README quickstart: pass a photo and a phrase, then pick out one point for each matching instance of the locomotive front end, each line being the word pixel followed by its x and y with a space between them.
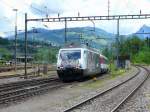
pixel 69 66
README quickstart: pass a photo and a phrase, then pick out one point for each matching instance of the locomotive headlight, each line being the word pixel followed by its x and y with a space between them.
pixel 61 67
pixel 78 66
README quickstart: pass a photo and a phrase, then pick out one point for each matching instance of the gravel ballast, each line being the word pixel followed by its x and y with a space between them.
pixel 140 101
pixel 108 101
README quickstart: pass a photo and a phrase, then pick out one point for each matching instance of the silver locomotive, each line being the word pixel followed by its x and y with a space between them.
pixel 76 62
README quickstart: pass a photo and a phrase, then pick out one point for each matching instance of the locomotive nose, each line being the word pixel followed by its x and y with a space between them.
pixel 68 66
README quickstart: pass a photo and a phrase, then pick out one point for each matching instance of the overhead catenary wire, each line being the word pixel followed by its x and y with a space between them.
pixel 6 4
pixel 11 7
pixel 41 11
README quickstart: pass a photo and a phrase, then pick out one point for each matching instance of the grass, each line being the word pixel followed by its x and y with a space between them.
pixel 116 72
pixel 93 84
pixel 99 83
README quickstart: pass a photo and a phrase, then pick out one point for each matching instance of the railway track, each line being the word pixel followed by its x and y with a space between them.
pixel 30 74
pixel 18 90
pixel 20 84
pixel 132 92
pixel 8 68
pixel 16 75
pixel 110 90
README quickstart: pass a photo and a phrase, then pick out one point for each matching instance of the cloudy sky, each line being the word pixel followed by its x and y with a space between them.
pixel 39 9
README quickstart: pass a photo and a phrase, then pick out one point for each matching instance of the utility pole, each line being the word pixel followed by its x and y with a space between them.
pixel 108 7
pixel 80 35
pixel 148 41
pixel 15 39
pixel 46 11
pixel 33 44
pixel 65 31
pixel 93 25
pixel 117 42
pixel 33 31
pixel 25 45
pixel 58 15
pixel 78 14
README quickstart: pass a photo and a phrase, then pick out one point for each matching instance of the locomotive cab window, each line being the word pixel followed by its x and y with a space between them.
pixel 70 54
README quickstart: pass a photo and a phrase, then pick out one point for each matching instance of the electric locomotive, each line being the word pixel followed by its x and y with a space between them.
pixel 77 61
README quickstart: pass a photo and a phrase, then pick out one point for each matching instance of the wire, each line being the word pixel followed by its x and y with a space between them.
pixel 31 6
pixel 5 19
pixel 128 6
pixel 13 31
pixel 37 9
pixel 10 6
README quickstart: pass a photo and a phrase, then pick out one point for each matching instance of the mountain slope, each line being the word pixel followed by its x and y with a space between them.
pixel 73 34
pixel 143 29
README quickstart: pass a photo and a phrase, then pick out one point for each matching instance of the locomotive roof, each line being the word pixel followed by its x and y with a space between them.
pixel 73 45
pixel 103 56
pixel 76 45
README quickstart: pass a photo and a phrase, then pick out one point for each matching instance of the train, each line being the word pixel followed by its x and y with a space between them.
pixel 77 61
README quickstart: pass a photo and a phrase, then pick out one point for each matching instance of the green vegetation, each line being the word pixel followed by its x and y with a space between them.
pixel 46 55
pixel 116 72
pixel 136 48
pixel 101 82
pixel 5 54
pixel 4 41
pixel 42 52
pixel 143 56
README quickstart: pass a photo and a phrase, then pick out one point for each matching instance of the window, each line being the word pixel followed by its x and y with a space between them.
pixel 70 54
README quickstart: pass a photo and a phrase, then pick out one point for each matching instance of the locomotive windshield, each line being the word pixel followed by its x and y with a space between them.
pixel 70 54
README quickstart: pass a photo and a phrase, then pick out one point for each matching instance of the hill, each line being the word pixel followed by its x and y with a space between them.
pixel 143 29
pixel 73 34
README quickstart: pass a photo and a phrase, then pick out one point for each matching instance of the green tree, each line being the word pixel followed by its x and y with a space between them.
pixel 143 56
pixel 46 55
pixel 6 55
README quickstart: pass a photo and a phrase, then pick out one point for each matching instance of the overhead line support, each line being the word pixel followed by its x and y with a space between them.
pixel 83 18
pixel 87 18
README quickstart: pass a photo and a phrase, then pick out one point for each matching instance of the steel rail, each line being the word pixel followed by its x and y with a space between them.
pixel 10 92
pixel 28 93
pixel 7 68
pixel 131 93
pixel 30 74
pixel 21 84
pixel 5 95
pixel 102 93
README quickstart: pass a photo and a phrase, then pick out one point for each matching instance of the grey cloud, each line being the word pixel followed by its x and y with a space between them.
pixel 47 7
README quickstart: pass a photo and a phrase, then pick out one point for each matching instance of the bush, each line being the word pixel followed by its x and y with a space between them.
pixel 143 56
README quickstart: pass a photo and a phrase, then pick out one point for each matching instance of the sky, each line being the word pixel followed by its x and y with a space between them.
pixel 41 8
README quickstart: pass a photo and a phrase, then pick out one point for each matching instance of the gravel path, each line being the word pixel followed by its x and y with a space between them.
pixel 58 100
pixel 140 102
